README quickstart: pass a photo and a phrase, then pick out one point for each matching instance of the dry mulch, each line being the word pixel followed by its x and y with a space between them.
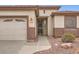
pixel 58 49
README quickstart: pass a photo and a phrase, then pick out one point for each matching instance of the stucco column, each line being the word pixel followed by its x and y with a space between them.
pixel 31 34
pixel 50 26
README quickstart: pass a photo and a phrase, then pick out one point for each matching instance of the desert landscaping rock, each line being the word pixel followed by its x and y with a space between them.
pixel 66 45
pixel 73 48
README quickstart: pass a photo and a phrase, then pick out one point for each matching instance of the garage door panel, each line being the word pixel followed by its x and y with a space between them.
pixel 13 30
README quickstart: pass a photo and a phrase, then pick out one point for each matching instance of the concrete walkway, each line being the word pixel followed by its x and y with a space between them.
pixel 23 47
pixel 32 47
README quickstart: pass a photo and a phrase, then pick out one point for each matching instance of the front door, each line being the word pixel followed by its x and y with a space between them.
pixel 42 26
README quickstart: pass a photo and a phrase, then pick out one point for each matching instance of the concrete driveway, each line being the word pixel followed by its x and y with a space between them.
pixel 23 47
pixel 11 46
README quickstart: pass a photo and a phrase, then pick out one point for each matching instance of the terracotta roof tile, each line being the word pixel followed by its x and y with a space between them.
pixel 65 13
pixel 29 6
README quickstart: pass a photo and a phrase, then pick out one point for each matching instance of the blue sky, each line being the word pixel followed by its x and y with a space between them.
pixel 39 2
pixel 69 7
pixel 65 4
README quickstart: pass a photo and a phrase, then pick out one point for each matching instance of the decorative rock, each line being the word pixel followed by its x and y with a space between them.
pixel 56 44
pixel 66 45
pixel 76 50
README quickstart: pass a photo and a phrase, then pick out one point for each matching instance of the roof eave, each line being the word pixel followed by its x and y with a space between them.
pixel 65 13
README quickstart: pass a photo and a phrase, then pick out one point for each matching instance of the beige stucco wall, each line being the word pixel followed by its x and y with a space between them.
pixel 50 26
pixel 31 14
pixel 47 12
pixel 77 21
pixel 59 21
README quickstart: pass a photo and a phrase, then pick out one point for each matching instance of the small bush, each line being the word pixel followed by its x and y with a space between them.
pixel 68 37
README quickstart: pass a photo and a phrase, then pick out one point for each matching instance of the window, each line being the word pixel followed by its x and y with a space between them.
pixel 8 20
pixel 20 20
pixel 70 21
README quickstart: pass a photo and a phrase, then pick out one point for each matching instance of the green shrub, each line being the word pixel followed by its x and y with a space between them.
pixel 68 37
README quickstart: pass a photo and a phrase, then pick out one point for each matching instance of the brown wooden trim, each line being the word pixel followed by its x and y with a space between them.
pixel 27 27
pixel 13 16
pixel 42 17
pixel 53 26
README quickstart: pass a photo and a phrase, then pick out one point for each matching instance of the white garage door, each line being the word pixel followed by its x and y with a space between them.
pixel 13 28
